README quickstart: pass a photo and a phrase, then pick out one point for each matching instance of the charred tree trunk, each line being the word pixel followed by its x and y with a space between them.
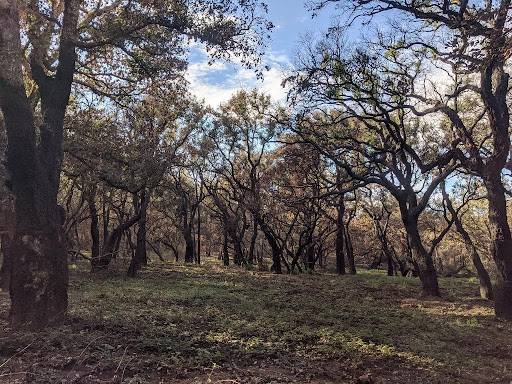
pixel 198 258
pixel 391 266
pixel 225 250
pixel 350 251
pixel 486 291
pixel 252 247
pixel 310 258
pixel 422 259
pixel 140 258
pixel 94 227
pixel 6 265
pixel 38 274
pixel 501 245
pixel 274 246
pixel 239 254
pixel 189 244
pixel 111 244
pixel 340 237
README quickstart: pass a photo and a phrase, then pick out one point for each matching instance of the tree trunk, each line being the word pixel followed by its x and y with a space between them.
pixel 391 267
pixel 423 261
pixel 239 254
pixel 350 251
pixel 111 244
pixel 252 246
pixel 274 246
pixel 189 244
pixel 486 291
pixel 6 266
pixel 39 274
pixel 501 245
pixel 340 237
pixel 310 257
pixel 140 258
pixel 198 259
pixel 225 250
pixel 94 229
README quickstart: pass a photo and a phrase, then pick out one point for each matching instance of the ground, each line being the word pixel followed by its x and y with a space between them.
pixel 191 324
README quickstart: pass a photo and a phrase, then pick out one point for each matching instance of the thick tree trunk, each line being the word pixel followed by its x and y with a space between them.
pixel 310 257
pixel 274 246
pixel 38 274
pixel 140 258
pixel 6 265
pixel 391 266
pixel 501 245
pixel 189 244
pixel 422 260
pixel 239 254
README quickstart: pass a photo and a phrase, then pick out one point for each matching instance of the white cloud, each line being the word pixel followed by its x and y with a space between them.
pixel 215 83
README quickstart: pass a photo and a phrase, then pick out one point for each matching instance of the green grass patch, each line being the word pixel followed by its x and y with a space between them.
pixel 197 324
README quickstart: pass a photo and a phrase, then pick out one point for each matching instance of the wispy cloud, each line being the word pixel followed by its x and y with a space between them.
pixel 215 83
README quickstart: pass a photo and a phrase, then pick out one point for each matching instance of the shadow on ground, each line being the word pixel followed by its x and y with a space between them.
pixel 180 324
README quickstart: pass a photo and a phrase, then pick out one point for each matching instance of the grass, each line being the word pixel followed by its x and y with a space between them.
pixel 191 324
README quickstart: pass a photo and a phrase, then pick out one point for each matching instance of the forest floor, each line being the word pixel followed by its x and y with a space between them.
pixel 191 324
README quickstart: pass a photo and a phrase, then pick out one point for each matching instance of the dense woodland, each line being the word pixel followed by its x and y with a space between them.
pixel 390 153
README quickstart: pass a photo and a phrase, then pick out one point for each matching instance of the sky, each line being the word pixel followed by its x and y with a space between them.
pixel 216 83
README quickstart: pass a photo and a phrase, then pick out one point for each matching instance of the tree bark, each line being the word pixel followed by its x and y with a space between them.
pixel 140 258
pixel 6 265
pixel 422 260
pixel 189 244
pixel 350 250
pixel 391 266
pixel 501 245
pixel 340 237
pixel 225 251
pixel 252 246
pixel 274 246
pixel 486 291
pixel 111 244
pixel 39 274
pixel 94 228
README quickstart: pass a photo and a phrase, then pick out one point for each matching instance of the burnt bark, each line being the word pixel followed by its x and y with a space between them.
pixel 422 259
pixel 501 245
pixel 350 250
pixel 112 243
pixel 252 246
pixel 189 244
pixel 38 275
pixel 94 227
pixel 486 291
pixel 274 245
pixel 225 250
pixel 340 237
pixel 6 264
pixel 140 258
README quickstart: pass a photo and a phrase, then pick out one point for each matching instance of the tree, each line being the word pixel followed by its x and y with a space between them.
pixel 239 137
pixel 147 39
pixel 470 44
pixel 355 112
pixel 483 275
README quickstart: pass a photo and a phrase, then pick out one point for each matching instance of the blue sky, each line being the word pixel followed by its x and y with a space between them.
pixel 216 83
